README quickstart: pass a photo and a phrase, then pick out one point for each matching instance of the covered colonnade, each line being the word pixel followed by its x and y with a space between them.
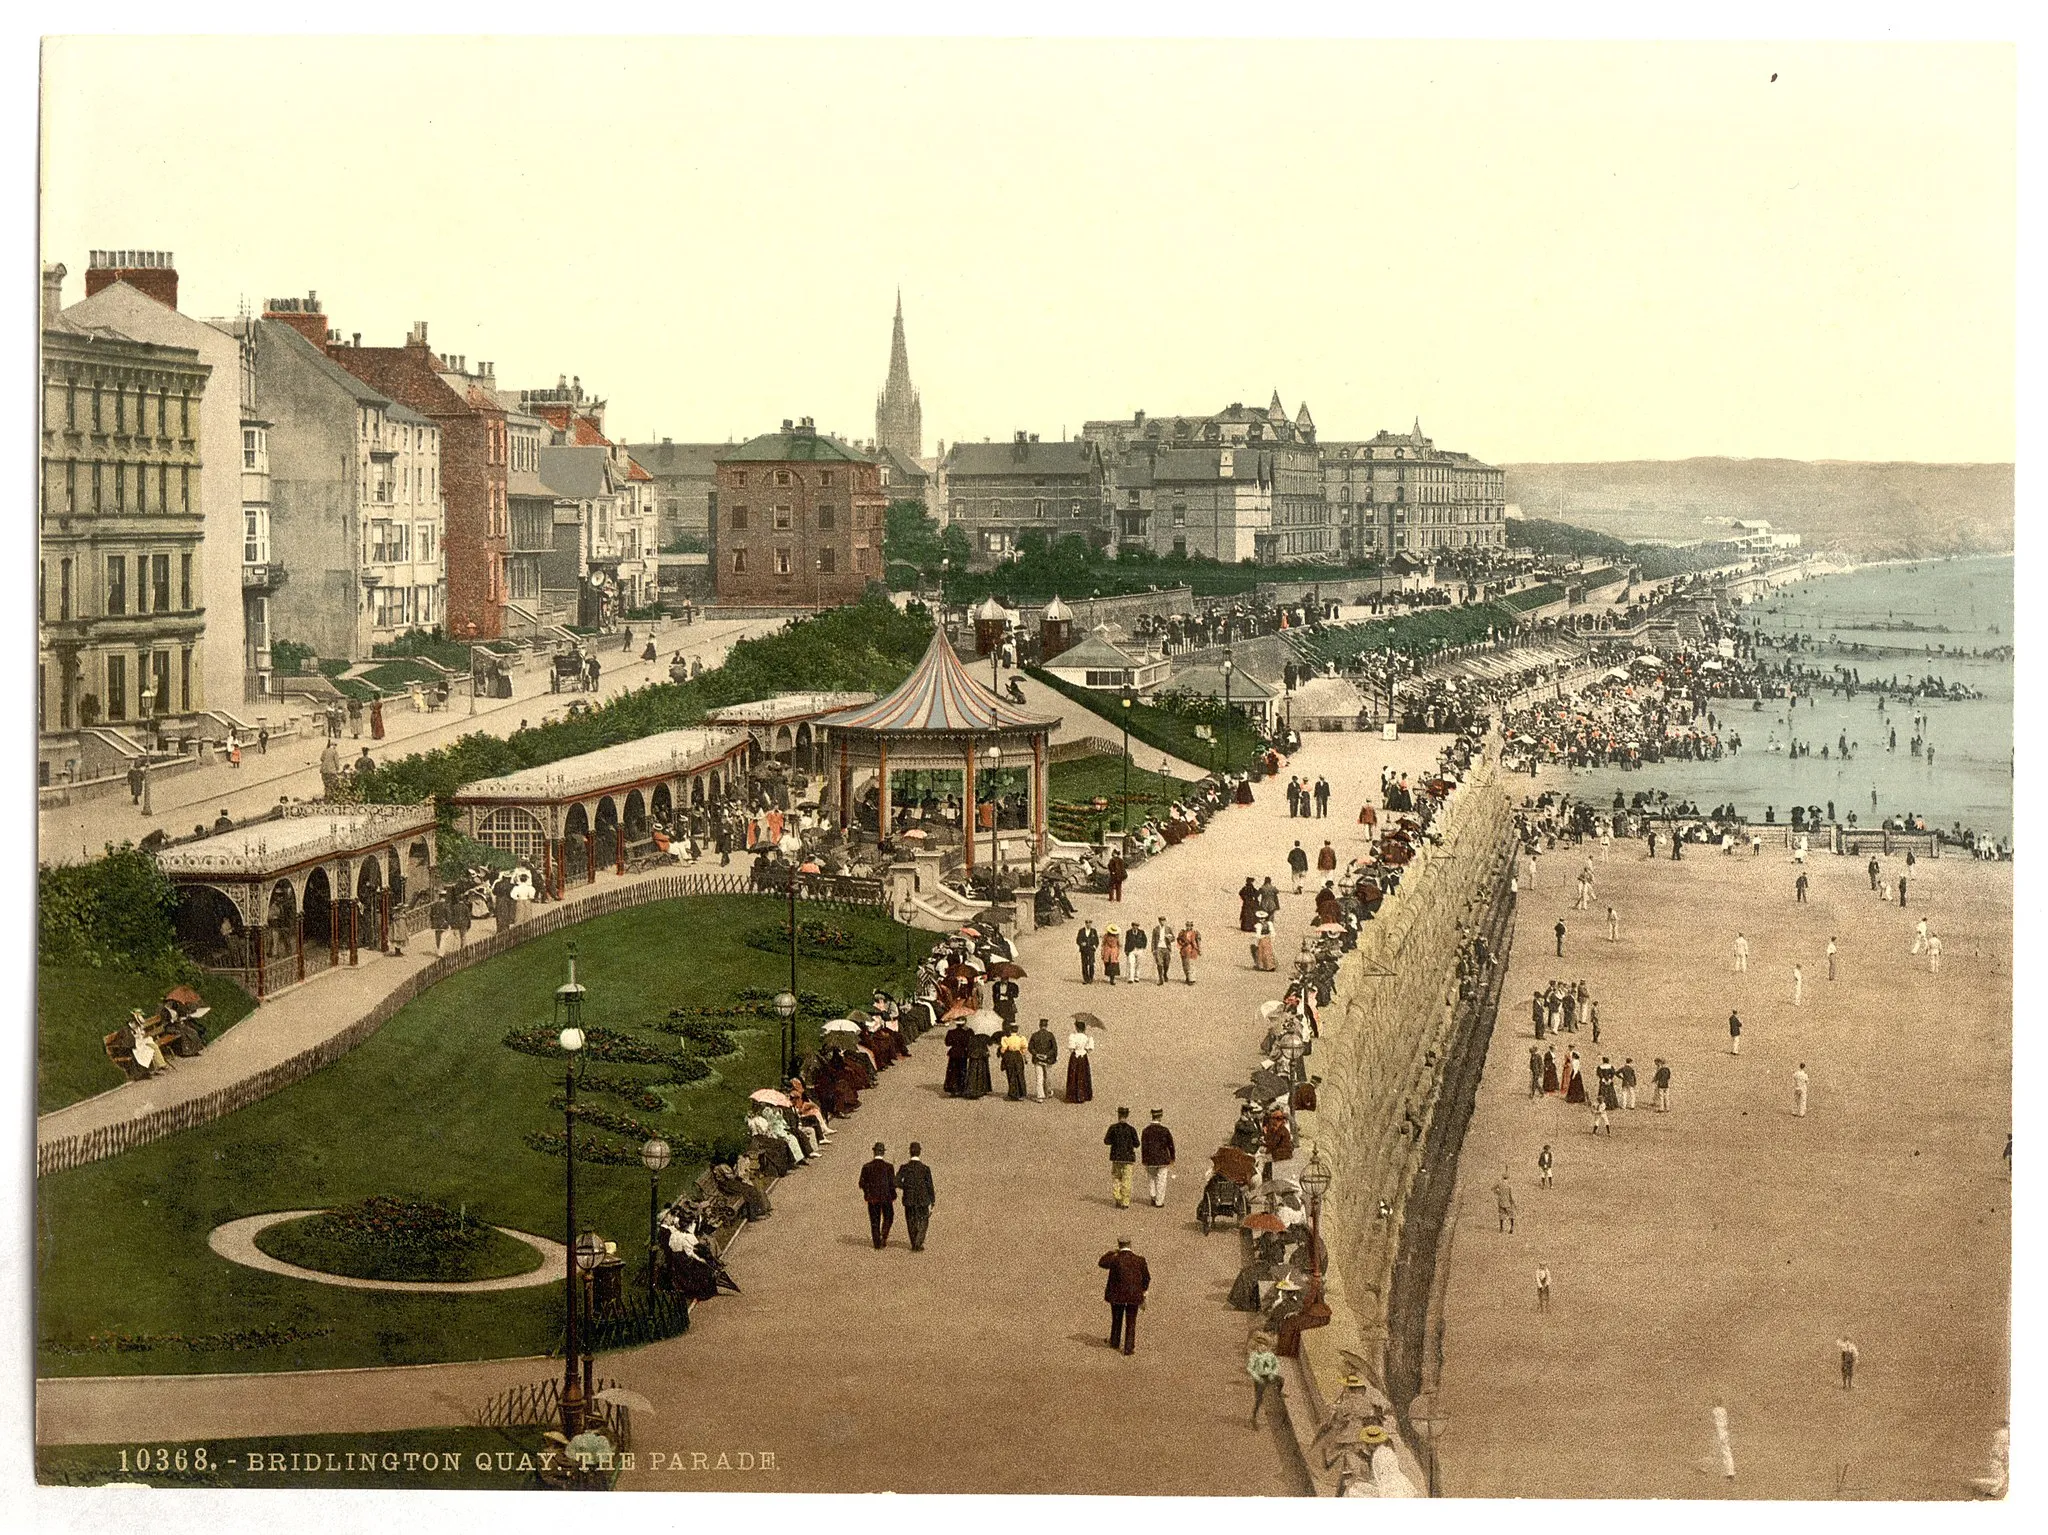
pixel 567 818
pixel 250 899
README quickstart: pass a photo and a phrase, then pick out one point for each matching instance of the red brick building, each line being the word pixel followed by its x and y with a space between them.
pixel 797 521
pixel 475 456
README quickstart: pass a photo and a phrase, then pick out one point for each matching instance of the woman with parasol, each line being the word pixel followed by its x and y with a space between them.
pixel 1080 1080
pixel 1262 947
pixel 981 1035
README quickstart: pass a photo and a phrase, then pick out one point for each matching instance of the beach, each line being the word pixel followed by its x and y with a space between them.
pixel 1716 1253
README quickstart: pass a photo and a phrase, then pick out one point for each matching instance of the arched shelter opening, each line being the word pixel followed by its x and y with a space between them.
pixel 211 928
pixel 576 844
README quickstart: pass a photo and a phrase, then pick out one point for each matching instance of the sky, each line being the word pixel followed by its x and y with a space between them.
pixel 1545 251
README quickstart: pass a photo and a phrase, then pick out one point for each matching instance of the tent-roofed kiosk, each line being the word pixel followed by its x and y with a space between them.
pixel 568 817
pixel 929 742
pixel 251 899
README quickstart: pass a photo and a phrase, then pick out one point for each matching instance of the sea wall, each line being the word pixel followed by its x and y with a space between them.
pixel 1385 1042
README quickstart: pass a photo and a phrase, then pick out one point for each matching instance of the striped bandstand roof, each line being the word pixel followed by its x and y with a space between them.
pixel 939 698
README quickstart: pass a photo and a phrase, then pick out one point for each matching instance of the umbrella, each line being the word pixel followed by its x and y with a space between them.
pixel 1270 1010
pixel 1235 1164
pixel 985 1022
pixel 956 1011
pixel 1007 970
pixel 841 1026
pixel 1089 1019
pixel 183 996
pixel 1264 1222
pixel 970 932
pixel 808 867
pixel 1330 927
pixel 1251 1092
pixel 913 836
pixel 619 1396
pixel 770 1096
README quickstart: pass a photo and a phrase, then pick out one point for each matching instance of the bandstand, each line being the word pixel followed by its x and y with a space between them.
pixel 569 817
pixel 940 727
pixel 250 900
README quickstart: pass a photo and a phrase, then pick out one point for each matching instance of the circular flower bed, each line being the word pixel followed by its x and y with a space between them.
pixel 404 1239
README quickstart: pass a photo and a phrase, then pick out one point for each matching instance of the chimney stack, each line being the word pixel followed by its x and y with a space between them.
pixel 418 335
pixel 53 293
pixel 151 272
pixel 302 315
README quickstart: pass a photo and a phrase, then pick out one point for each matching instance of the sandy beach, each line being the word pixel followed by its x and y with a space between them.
pixel 1716 1253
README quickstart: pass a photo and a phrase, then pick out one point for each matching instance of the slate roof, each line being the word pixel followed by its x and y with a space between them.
pixel 679 458
pixel 791 448
pixel 1095 653
pixel 578 473
pixel 1073 457
pixel 939 697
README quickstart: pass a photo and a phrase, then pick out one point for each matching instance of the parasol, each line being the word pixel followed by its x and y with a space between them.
pixel 183 996
pixel 1089 1020
pixel 970 932
pixel 985 1022
pixel 956 1011
pixel 1235 1164
pixel 808 866
pixel 1330 927
pixel 841 1026
pixel 912 836
pixel 1006 970
pixel 619 1396
pixel 770 1096
pixel 1264 1222
pixel 1270 1010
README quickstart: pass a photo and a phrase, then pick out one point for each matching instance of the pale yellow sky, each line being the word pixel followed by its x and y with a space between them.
pixel 1545 251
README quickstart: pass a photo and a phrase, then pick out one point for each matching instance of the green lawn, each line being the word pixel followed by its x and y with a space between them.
pixel 1164 729
pixel 492 1255
pixel 1087 779
pixel 322 1461
pixel 1411 632
pixel 76 1006
pixel 433 1106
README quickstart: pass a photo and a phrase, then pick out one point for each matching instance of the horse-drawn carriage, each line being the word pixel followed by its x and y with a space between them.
pixel 570 673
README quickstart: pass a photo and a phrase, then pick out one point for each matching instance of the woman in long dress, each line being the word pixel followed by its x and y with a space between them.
pixel 956 1058
pixel 1549 1070
pixel 978 1084
pixel 1244 791
pixel 1264 947
pixel 1574 1080
pixel 1080 1081
pixel 1112 954
pixel 1248 906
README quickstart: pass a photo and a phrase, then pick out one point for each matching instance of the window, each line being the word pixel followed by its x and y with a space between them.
pixel 828 560
pixel 739 562
pixel 117 584
pixel 163 411
pixel 782 560
pixel 1180 516
pixel 825 477
pixel 117 687
pixel 184 487
pixel 185 582
pixel 163 487
pixel 70 405
pixel 781 477
pixel 185 413
pixel 739 519
pixel 250 451
pixel 120 409
pixel 784 518
pixel 160 682
pixel 160 586
pixel 120 487
pixel 63 590
pixel 185 679
pixel 1076 511
pixel 70 486
pixel 255 536
pixel 739 478
pixel 825 518
pixel 97 424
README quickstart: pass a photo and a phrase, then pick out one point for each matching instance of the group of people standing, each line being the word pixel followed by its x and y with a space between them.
pixel 1121 951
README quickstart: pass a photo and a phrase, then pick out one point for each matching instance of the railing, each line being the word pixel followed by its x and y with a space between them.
pixel 66 1152
pixel 540 1406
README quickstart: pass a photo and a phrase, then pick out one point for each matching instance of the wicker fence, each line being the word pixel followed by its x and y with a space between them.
pixel 71 1151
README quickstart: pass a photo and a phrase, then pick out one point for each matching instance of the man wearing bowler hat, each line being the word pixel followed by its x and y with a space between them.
pixel 1129 1279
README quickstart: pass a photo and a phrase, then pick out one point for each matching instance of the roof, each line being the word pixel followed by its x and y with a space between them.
pixel 404 414
pixel 634 471
pixel 1074 456
pixel 940 697
pixel 1057 612
pixel 576 472
pixel 303 833
pixel 679 458
pixel 1184 465
pixel 791 447
pixel 903 468
pixel 785 708
pixel 671 753
pixel 1207 681
pixel 1097 652
pixel 289 337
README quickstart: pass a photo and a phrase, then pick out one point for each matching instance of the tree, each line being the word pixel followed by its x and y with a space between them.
pixel 911 542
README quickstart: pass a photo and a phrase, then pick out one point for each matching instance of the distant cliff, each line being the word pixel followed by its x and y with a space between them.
pixel 1875 510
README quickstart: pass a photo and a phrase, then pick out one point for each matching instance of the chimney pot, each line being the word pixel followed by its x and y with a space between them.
pixel 355 338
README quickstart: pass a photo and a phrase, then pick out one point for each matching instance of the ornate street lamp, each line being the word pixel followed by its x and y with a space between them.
pixel 1124 704
pixel 654 1156
pixel 569 1023
pixel 993 757
pixel 785 1008
pixel 590 1250
pixel 1316 1179
pixel 1228 668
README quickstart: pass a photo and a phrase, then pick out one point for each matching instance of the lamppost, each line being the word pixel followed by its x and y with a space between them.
pixel 993 757
pixel 785 1009
pixel 1124 713
pixel 1228 668
pixel 654 1156
pixel 792 847
pixel 1316 1179
pixel 472 678
pixel 587 1254
pixel 569 1022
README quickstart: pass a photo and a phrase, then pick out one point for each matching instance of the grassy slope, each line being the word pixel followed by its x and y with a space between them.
pixel 76 1006
pixel 1089 778
pixel 1161 728
pixel 432 1105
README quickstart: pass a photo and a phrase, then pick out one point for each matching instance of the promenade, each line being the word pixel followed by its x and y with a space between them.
pixel 848 1364
pixel 178 802
pixel 1715 1253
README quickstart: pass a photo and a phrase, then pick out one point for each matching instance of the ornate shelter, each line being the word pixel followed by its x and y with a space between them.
pixel 249 898
pixel 941 721
pixel 785 725
pixel 567 817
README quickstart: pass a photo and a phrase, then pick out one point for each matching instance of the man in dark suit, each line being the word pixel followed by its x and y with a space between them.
pixel 914 1179
pixel 878 1188
pixel 1087 941
pixel 1129 1279
pixel 1155 1150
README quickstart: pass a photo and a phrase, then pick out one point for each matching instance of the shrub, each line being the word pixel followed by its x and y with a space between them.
pixel 115 911
pixel 820 940
pixel 387 1237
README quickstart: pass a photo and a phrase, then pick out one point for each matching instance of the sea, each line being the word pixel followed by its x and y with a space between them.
pixel 1921 607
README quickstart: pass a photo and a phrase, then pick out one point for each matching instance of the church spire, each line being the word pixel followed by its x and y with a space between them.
pixel 899 416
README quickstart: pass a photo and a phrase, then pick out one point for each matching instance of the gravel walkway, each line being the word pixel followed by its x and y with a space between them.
pixel 236 1242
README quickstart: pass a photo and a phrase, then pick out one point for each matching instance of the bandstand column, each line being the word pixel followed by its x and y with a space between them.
pixel 1038 793
pixel 882 821
pixel 845 784
pixel 967 809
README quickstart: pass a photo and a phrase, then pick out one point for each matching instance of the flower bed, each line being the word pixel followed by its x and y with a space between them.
pixel 404 1239
pixel 820 940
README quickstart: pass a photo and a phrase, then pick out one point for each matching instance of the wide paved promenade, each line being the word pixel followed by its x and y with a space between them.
pixel 1717 1252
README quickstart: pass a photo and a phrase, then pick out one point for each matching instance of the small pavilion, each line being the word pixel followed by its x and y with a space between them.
pixel 786 725
pixel 250 898
pixel 942 724
pixel 567 817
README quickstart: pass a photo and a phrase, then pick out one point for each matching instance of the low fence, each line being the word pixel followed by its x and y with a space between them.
pixel 66 1152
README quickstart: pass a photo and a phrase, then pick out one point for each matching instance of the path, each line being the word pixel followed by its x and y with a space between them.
pixel 236 1242
pixel 73 832
pixel 854 1366
pixel 1723 1247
